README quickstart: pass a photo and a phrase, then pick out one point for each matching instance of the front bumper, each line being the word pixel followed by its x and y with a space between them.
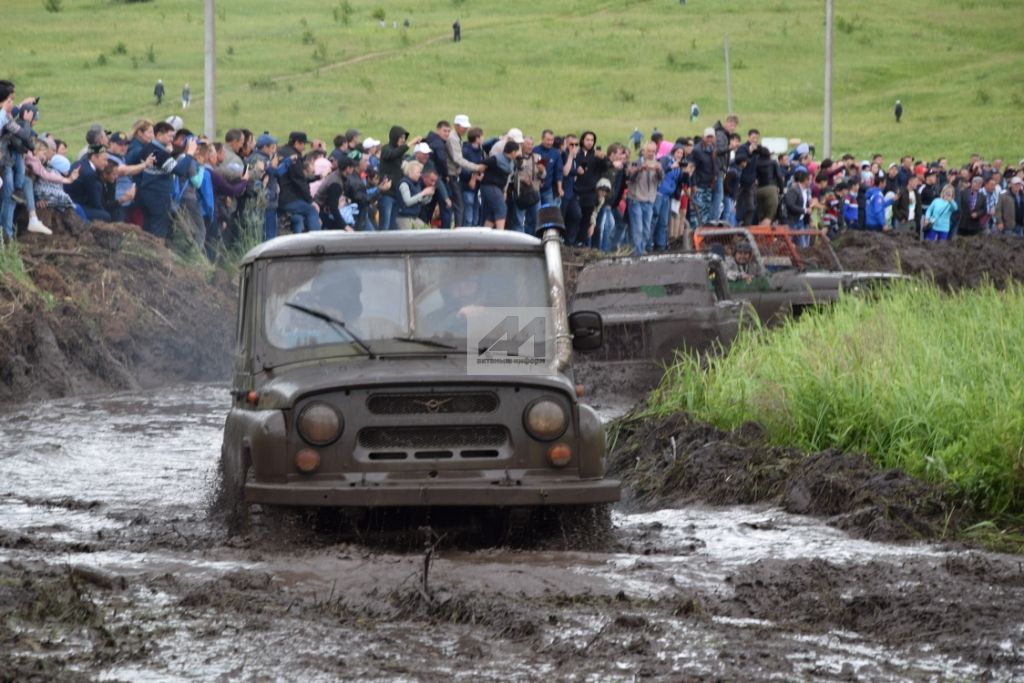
pixel 342 494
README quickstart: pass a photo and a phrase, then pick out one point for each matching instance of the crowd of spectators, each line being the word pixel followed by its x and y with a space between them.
pixel 162 176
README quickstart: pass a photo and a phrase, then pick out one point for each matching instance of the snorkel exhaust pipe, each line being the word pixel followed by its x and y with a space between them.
pixel 552 228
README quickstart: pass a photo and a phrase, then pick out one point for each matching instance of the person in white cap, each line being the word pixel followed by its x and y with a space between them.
pixel 513 134
pixel 371 149
pixel 458 163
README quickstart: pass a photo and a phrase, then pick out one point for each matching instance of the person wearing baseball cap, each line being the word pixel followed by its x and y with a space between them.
pixel 457 164
pixel 263 160
pixel 124 186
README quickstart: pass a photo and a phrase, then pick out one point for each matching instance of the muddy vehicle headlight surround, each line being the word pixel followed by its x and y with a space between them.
pixel 319 424
pixel 545 419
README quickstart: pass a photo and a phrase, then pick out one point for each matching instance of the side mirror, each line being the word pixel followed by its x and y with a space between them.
pixel 587 330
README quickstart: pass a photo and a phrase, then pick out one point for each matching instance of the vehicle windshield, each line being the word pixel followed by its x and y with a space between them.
pixel 419 300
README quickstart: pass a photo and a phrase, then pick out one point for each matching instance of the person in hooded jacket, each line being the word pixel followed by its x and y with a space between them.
pixel 391 157
pixel 591 165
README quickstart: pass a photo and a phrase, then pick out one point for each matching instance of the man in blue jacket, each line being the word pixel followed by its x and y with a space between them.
pixel 158 184
pixel 551 160
pixel 87 190
pixel 875 206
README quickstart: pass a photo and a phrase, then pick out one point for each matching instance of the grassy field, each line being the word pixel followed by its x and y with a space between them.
pixel 921 380
pixel 326 65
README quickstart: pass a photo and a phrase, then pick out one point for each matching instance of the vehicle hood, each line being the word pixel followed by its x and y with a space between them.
pixel 832 279
pixel 281 387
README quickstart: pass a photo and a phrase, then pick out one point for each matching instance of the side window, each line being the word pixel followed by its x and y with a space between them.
pixel 241 325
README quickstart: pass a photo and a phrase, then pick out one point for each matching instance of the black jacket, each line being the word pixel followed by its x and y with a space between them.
pixel 593 168
pixel 87 190
pixel 706 166
pixel 748 174
pixel 438 154
pixel 391 157
pixel 971 219
pixel 294 185
pixel 768 172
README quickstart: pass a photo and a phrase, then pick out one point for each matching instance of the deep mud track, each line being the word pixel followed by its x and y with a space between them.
pixel 111 569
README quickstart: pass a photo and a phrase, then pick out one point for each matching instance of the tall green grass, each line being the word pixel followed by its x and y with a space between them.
pixel 919 379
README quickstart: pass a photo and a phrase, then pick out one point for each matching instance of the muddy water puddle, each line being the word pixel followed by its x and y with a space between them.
pixel 110 568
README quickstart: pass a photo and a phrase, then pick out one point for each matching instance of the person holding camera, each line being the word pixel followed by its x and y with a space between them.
pixel 15 140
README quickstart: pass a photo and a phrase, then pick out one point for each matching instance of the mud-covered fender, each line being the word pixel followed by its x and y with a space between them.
pixel 592 443
pixel 260 437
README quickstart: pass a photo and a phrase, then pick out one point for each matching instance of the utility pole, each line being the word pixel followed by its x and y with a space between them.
pixel 728 79
pixel 827 142
pixel 209 74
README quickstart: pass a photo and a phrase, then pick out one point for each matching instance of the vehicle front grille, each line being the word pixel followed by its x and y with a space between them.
pixel 432 404
pixel 432 438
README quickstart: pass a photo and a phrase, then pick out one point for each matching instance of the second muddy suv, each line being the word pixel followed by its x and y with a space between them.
pixel 789 270
pixel 351 385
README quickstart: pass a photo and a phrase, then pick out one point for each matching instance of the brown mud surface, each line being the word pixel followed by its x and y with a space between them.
pixel 109 307
pixel 677 461
pixel 111 568
pixel 964 262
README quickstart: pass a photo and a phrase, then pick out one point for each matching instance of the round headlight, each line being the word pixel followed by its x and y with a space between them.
pixel 319 424
pixel 546 419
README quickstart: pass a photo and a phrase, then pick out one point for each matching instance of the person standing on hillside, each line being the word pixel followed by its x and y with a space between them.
pixel 705 173
pixel 158 92
pixel 186 96
pixel 457 164
pixel 295 198
pixel 391 157
pixel 644 178
pixel 694 111
pixel 457 32
pixel 746 161
pixel 437 141
pixel 635 138
pixel 898 111
pixel 156 185
pixel 723 150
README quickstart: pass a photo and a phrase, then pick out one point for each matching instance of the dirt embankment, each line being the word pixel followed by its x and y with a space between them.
pixel 964 262
pixel 108 307
pixel 676 461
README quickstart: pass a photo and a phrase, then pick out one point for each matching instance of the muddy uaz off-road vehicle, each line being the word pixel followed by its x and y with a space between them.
pixel 352 379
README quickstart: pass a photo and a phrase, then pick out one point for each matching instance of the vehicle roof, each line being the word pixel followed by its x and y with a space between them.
pixel 331 242
pixel 619 274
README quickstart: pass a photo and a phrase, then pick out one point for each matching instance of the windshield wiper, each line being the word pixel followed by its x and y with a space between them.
pixel 335 322
pixel 427 342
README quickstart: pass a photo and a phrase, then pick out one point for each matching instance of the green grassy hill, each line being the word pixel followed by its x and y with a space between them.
pixel 326 65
